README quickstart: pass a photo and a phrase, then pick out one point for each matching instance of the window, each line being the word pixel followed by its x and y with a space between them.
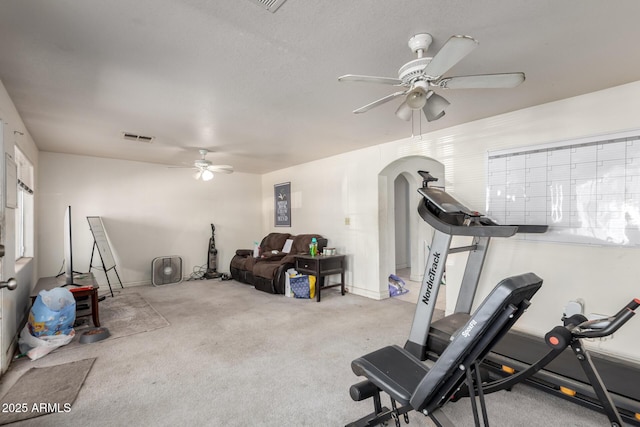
pixel 24 210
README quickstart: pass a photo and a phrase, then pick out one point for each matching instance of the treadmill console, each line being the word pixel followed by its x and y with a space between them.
pixel 442 205
pixel 444 212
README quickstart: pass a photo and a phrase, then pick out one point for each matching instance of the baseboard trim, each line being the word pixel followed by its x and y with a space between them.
pixel 368 293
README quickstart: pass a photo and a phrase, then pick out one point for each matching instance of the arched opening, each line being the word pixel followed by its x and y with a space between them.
pixel 400 226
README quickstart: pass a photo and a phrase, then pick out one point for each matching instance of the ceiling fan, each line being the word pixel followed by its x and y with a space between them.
pixel 416 77
pixel 205 170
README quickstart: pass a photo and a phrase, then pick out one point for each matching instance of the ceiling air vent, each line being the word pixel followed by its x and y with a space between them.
pixel 270 5
pixel 135 137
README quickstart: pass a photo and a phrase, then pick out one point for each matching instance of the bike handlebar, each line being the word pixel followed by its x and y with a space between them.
pixel 614 322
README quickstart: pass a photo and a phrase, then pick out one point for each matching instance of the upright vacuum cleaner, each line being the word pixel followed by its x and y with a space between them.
pixel 212 258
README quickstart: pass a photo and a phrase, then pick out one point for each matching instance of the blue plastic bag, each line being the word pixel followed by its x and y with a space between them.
pixel 53 313
pixel 396 286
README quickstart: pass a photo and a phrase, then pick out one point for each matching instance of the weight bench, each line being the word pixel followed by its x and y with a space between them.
pixel 415 386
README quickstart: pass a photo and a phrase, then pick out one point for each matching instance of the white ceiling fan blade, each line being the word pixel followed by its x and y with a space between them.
pixel 197 175
pixel 482 81
pixel 221 168
pixel 181 167
pixel 456 48
pixel 369 79
pixel 378 102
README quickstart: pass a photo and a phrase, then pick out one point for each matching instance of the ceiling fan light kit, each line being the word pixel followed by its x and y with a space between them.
pixel 417 97
pixel 436 106
pixel 419 75
pixel 404 112
pixel 205 175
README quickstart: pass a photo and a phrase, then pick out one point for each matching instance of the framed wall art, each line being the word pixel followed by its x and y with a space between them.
pixel 282 207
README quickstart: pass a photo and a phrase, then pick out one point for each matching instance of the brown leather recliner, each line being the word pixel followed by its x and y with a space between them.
pixel 267 273
pixel 242 263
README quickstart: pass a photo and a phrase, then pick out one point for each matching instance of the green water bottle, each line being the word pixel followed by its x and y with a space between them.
pixel 313 247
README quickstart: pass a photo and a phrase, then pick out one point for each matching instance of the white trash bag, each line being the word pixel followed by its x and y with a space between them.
pixel 36 348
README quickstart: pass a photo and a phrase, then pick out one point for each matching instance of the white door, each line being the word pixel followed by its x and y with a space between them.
pixel 4 335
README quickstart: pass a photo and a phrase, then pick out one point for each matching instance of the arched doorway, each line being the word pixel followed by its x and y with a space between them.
pixel 404 173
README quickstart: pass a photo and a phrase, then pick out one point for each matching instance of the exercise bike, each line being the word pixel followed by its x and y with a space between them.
pixel 570 334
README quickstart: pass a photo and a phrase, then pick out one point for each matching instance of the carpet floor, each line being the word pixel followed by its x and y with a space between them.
pixel 126 314
pixel 234 356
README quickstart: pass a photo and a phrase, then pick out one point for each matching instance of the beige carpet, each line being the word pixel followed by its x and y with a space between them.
pixel 236 357
pixel 124 315
pixel 44 390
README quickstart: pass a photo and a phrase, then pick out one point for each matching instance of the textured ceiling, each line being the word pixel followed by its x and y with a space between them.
pixel 260 89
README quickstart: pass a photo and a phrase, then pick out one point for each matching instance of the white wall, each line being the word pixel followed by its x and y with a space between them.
pixel 148 211
pixel 327 191
pixel 323 194
pixel 13 303
pixel 603 276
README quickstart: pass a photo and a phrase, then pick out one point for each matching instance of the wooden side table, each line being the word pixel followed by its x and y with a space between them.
pixel 88 287
pixel 322 266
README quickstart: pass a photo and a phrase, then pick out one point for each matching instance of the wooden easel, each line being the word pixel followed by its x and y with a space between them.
pixel 104 250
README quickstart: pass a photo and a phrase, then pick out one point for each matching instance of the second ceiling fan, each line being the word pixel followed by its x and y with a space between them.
pixel 205 169
pixel 418 76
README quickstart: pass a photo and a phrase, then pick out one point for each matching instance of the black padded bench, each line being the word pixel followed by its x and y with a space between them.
pixel 411 383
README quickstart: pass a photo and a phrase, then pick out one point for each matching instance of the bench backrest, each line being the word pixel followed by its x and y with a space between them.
pixel 495 316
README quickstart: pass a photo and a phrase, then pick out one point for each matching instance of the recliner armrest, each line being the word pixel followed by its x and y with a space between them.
pixel 244 252
pixel 271 256
pixel 289 259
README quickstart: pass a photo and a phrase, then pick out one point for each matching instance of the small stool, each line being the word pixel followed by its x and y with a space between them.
pixel 88 291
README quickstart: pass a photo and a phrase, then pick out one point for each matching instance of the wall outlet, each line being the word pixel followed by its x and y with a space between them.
pixel 574 307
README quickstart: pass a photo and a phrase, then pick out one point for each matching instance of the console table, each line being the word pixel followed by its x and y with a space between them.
pixel 322 266
pixel 86 287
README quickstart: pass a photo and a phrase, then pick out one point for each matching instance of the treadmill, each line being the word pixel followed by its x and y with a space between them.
pixel 517 350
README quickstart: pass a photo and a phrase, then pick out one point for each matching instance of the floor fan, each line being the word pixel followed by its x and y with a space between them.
pixel 166 270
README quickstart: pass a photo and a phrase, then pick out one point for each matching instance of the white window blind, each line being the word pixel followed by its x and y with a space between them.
pixel 24 208
pixel 25 172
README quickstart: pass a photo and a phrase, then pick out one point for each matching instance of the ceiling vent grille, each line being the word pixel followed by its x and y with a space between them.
pixel 135 137
pixel 270 5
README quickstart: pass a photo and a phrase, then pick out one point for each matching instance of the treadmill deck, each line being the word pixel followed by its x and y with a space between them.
pixel 619 376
